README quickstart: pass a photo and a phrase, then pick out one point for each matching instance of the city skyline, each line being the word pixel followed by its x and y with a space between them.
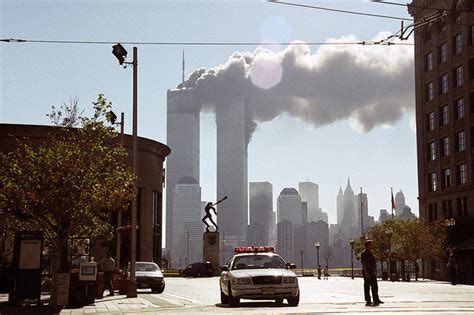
pixel 284 151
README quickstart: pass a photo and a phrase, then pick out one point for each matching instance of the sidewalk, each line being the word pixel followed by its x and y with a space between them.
pixel 110 304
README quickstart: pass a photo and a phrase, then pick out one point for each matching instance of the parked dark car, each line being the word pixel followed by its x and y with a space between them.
pixel 201 269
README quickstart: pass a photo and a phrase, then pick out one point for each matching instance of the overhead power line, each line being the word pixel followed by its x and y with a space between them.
pixel 340 11
pixel 79 42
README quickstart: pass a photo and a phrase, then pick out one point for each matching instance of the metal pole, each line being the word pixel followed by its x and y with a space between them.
pixel 352 263
pixel 187 250
pixel 319 268
pixel 361 212
pixel 132 289
pixel 302 266
pixel 118 244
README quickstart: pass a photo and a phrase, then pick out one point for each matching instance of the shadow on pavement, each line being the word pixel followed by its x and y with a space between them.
pixel 8 309
pixel 254 304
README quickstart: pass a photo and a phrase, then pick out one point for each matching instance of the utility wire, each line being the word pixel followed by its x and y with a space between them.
pixel 340 11
pixel 48 41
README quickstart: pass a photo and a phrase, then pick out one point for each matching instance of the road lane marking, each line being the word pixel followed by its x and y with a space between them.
pixel 182 298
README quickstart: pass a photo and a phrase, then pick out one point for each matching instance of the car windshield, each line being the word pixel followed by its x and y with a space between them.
pixel 258 262
pixel 146 267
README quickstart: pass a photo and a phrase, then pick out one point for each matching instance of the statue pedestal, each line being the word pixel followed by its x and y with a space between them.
pixel 211 247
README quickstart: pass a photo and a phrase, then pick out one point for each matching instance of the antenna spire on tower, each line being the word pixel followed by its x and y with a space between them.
pixel 183 67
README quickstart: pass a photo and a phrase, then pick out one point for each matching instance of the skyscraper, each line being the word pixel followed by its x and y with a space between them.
pixel 340 206
pixel 399 203
pixel 309 193
pixel 232 171
pixel 261 210
pixel 289 207
pixel 186 222
pixel 183 139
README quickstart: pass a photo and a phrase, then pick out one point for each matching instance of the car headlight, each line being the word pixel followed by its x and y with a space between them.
pixel 290 280
pixel 240 281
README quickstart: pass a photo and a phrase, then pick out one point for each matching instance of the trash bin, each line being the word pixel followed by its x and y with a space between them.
pixel 81 292
pixel 385 275
pixel 100 285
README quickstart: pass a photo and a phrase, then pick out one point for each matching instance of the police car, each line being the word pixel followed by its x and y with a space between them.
pixel 258 273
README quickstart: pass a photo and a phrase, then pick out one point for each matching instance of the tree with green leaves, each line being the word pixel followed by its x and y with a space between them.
pixel 405 241
pixel 419 240
pixel 69 185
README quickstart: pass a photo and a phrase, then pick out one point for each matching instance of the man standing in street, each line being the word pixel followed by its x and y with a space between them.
pixel 108 265
pixel 369 272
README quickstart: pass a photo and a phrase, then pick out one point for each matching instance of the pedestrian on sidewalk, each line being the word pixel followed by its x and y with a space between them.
pixel 369 272
pixel 108 265
pixel 452 267
pixel 326 272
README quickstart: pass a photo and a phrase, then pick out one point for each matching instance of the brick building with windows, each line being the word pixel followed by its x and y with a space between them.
pixel 444 70
pixel 151 156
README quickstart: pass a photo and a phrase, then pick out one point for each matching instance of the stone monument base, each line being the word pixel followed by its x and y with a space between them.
pixel 211 248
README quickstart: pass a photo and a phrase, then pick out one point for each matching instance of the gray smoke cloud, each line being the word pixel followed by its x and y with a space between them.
pixel 368 86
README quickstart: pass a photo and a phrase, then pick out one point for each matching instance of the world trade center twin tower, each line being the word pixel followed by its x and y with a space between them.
pixel 183 129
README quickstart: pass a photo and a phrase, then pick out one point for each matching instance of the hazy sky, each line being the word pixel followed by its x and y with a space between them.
pixel 354 108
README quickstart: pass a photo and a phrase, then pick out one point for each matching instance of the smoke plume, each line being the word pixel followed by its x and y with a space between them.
pixel 368 86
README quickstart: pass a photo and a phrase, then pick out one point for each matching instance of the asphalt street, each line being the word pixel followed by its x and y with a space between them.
pixel 336 295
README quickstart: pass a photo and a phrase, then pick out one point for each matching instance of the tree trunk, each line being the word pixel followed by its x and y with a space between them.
pixel 56 264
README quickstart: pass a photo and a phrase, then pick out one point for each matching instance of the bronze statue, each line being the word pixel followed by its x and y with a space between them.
pixel 208 215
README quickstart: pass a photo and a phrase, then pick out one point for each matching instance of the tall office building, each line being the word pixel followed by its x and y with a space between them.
pixel 289 207
pixel 399 203
pixel 285 240
pixel 309 193
pixel 340 206
pixel 183 139
pixel 186 222
pixel 232 171
pixel 444 74
pixel 261 210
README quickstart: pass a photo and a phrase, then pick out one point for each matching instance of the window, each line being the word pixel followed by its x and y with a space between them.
pixel 462 174
pixel 446 178
pixel 471 38
pixel 443 53
pixel 445 146
pixel 429 61
pixel 458 43
pixel 444 113
pixel 433 182
pixel 459 108
pixel 447 207
pixel 443 82
pixel 459 76
pixel 432 150
pixel 462 206
pixel 431 121
pixel 433 212
pixel 471 68
pixel 461 141
pixel 430 91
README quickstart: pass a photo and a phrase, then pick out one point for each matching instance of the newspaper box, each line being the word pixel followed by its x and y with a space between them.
pixel 88 271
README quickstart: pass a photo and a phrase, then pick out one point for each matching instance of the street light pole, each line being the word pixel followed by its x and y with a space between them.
pixel 187 250
pixel 302 265
pixel 121 53
pixel 351 241
pixel 317 244
pixel 389 232
pixel 132 292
